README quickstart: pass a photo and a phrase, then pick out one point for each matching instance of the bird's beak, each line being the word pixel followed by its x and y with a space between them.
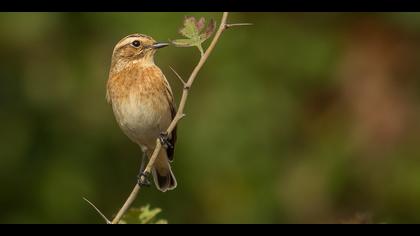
pixel 159 45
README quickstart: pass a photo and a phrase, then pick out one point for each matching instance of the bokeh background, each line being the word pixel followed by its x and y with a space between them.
pixel 301 118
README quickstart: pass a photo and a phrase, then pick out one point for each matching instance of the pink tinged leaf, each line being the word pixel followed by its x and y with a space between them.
pixel 209 31
pixel 189 30
pixel 200 24
pixel 189 20
pixel 210 28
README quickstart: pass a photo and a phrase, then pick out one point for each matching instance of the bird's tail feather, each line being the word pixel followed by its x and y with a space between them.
pixel 162 173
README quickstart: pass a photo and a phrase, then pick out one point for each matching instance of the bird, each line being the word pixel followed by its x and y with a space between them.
pixel 143 104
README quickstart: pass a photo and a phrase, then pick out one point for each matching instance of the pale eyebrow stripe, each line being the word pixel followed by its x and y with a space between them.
pixel 135 36
pixel 138 35
pixel 125 40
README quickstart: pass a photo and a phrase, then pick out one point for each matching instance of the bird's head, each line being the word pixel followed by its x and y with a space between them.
pixel 136 48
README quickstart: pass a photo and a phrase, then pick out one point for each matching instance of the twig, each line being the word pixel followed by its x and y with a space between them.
pixel 179 115
pixel 97 210
pixel 178 76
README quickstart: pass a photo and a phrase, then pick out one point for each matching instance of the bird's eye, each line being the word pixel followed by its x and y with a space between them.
pixel 136 43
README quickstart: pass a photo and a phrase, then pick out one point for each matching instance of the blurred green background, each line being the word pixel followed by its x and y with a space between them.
pixel 301 118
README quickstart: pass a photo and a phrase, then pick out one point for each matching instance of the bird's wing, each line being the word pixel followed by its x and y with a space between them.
pixel 108 99
pixel 172 136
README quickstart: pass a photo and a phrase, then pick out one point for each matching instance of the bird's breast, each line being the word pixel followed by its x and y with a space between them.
pixel 140 107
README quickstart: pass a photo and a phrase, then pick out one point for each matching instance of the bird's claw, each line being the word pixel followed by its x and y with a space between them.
pixel 164 140
pixel 143 179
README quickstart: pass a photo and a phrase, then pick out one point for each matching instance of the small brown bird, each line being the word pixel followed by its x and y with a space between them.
pixel 143 103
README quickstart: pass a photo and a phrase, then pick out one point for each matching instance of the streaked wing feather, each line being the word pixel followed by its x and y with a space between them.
pixel 173 136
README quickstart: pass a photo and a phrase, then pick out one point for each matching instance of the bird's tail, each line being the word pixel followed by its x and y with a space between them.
pixel 162 173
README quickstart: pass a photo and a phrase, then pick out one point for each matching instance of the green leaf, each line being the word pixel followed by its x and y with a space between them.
pixel 192 31
pixel 182 42
pixel 190 28
pixel 161 222
pixel 143 215
pixel 147 215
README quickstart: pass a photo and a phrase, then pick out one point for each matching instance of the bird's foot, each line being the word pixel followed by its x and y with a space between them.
pixel 143 179
pixel 164 140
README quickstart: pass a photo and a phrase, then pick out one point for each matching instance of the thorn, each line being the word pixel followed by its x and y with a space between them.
pixel 178 76
pixel 97 210
pixel 178 118
pixel 227 26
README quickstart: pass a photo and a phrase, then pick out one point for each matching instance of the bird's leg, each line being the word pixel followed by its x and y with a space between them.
pixel 143 162
pixel 145 181
pixel 164 140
